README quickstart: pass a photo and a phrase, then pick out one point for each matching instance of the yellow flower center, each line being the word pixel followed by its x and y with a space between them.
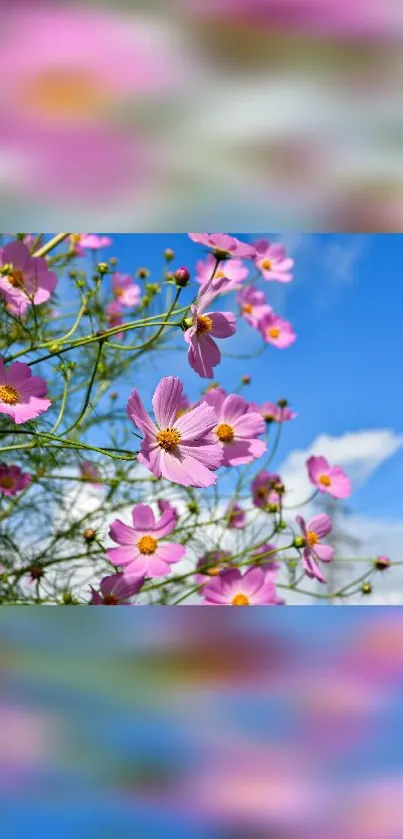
pixel 147 545
pixel 325 480
pixel 64 94
pixel 240 600
pixel 312 538
pixel 266 265
pixel 111 600
pixel 16 279
pixel 273 332
pixel 168 439
pixel 6 482
pixel 225 433
pixel 219 275
pixel 8 395
pixel 119 292
pixel 204 323
pixel 247 308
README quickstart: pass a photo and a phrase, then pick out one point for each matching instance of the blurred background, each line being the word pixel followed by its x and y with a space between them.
pixel 274 723
pixel 150 115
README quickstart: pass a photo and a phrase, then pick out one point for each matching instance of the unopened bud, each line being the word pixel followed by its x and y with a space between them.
pixel 89 534
pixel 143 273
pixel 246 380
pixel 366 588
pixel 273 508
pixel 169 255
pixel 103 268
pixel 299 542
pixel 193 507
pixel 282 403
pixel 181 277
pixel 382 563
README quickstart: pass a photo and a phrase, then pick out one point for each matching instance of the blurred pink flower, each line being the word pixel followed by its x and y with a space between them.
pixel 273 412
pixel 231 588
pixel 329 479
pixel 212 563
pixel 140 551
pixel 24 279
pixel 13 480
pixel 22 395
pixel 276 331
pixel 90 472
pixel 116 590
pixel 203 353
pixel 127 292
pixel 253 305
pixel 317 528
pixel 272 262
pixel 265 489
pixel 236 516
pixel 182 450
pixel 223 245
pixel 233 270
pixel 90 241
pixel 114 318
pixel 269 564
pixel 237 428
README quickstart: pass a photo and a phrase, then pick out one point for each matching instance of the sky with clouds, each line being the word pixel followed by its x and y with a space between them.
pixel 341 376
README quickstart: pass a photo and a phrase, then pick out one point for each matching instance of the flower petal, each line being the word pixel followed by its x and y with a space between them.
pixel 166 400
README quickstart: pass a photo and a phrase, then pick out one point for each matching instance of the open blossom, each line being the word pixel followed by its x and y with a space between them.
pixel 232 588
pixel 183 450
pixel 232 270
pixel 88 241
pixel 277 331
pixel 125 290
pixel 237 428
pixel 273 412
pixel 330 479
pixel 267 488
pixel 22 395
pixel 141 551
pixel 210 565
pixel 273 262
pixel 253 305
pixel 203 353
pixel 24 279
pixel 223 245
pixel 116 590
pixel 13 480
pixel 236 516
pixel 313 532
pixel 90 472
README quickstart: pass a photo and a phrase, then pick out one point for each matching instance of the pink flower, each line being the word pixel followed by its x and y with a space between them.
pixel 223 245
pixel 273 262
pixel 317 528
pixel 253 305
pixel 24 279
pixel 267 488
pixel 22 395
pixel 268 564
pixel 233 270
pixel 212 563
pixel 231 588
pixel 182 450
pixel 236 516
pixel 276 331
pixel 141 551
pixel 237 428
pixel 13 480
pixel 116 590
pixel 166 507
pixel 382 563
pixel 330 479
pixel 114 318
pixel 91 473
pixel 273 412
pixel 203 353
pixel 89 241
pixel 125 290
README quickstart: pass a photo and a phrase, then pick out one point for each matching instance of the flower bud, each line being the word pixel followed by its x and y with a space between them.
pixel 382 563
pixel 299 542
pixel 89 534
pixel 193 507
pixel 169 255
pixel 282 403
pixel 113 395
pixel 73 274
pixel 103 268
pixel 143 273
pixel 68 599
pixel 246 380
pixel 366 588
pixel 181 277
pixel 113 260
pixel 273 508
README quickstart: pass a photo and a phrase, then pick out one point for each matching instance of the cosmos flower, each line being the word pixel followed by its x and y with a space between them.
pixel 273 412
pixel 232 588
pixel 237 428
pixel 267 488
pixel 223 245
pixel 210 565
pixel 272 262
pixel 183 450
pixel 22 395
pixel 329 479
pixel 203 353
pixel 277 331
pixel 316 529
pixel 90 472
pixel 12 479
pixel 116 590
pixel 253 305
pixel 236 516
pixel 141 551
pixel 125 290
pixel 24 279
pixel 89 241
pixel 233 270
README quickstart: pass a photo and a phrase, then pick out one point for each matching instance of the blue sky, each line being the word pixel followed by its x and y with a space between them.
pixel 342 374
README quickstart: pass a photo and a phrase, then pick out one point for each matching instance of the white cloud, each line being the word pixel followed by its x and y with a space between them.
pixel 360 453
